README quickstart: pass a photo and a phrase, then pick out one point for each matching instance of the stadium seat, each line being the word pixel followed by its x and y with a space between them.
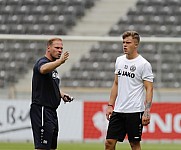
pixel 61 2
pixel 139 19
pixel 4 29
pixel 13 19
pixel 3 19
pixel 116 30
pixel 33 29
pixel 29 19
pixel 89 4
pixel 79 6
pixel 171 20
pixel 147 10
pixel 30 2
pixel 7 9
pixel 40 9
pixel 146 30
pixel 70 16
pixel 22 10
pixel 154 19
pixel 58 19
pixel 45 2
pixel 13 2
pixel 172 2
pixel 155 3
pixel 55 10
pixel 166 10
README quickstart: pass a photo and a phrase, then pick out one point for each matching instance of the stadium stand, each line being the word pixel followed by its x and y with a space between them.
pixel 148 17
pixel 18 15
pixel 43 17
pixel 151 18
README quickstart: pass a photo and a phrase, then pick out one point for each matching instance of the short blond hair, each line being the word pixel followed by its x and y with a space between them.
pixel 133 34
pixel 50 41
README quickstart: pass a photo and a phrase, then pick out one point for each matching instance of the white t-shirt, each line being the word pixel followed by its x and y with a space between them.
pixel 131 74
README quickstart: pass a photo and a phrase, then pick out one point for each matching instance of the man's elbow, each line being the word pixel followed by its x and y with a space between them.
pixel 43 70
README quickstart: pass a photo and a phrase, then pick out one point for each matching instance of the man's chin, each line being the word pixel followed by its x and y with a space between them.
pixel 55 58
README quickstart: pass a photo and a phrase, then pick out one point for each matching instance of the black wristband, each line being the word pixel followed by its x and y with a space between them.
pixel 110 105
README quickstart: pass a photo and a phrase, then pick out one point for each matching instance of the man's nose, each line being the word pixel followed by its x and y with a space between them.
pixel 60 50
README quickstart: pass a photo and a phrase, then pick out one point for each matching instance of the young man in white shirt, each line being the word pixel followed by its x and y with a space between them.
pixel 131 95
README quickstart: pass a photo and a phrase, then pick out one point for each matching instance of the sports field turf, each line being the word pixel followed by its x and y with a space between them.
pixel 90 146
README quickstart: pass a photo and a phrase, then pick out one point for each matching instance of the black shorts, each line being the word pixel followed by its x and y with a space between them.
pixel 122 124
pixel 44 123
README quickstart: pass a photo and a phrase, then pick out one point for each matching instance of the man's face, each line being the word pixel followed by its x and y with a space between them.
pixel 129 45
pixel 56 49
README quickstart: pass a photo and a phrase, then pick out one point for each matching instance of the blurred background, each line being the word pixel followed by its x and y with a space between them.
pixel 91 31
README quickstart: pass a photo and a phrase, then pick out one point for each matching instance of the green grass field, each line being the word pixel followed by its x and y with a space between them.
pixel 91 146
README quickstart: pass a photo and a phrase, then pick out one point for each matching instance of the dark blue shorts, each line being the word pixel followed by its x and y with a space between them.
pixel 122 124
pixel 44 123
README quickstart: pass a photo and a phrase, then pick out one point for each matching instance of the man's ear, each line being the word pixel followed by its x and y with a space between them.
pixel 48 48
pixel 136 44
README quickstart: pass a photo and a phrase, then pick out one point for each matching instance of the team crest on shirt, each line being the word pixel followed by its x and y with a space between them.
pixel 133 68
pixel 55 75
pixel 125 66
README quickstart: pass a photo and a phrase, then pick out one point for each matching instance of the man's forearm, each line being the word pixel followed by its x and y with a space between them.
pixel 148 105
pixel 147 109
pixel 48 67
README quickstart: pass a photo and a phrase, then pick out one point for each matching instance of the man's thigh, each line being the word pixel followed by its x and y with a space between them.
pixel 116 128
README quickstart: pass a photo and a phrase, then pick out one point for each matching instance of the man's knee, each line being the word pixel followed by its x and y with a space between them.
pixel 110 144
pixel 135 145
